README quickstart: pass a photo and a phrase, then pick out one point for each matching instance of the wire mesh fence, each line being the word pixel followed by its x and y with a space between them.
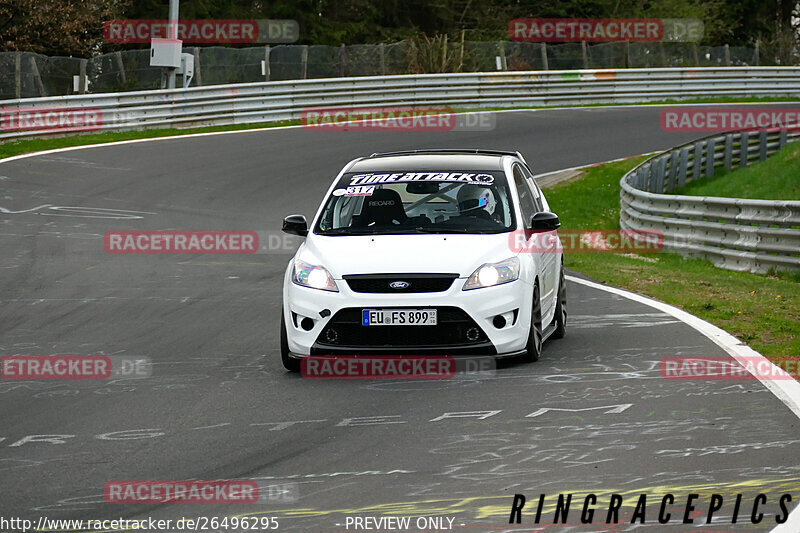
pixel 26 75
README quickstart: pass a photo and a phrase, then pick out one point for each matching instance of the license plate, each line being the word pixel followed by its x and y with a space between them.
pixel 398 317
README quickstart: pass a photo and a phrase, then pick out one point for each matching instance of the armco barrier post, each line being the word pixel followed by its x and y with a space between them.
pixel 673 171
pixel 697 161
pixel 728 151
pixel 683 164
pixel 661 170
pixel 744 149
pixel 711 151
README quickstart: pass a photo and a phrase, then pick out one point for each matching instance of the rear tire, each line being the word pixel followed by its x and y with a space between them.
pixel 534 346
pixel 561 308
pixel 289 363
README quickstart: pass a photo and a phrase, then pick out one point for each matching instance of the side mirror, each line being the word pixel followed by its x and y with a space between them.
pixel 295 225
pixel 545 221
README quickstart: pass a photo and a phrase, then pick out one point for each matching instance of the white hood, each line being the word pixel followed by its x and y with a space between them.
pixel 383 254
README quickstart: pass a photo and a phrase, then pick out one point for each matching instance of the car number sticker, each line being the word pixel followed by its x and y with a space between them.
pixel 358 190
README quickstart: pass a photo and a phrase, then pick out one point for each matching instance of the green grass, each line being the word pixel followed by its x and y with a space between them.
pixel 762 311
pixel 776 178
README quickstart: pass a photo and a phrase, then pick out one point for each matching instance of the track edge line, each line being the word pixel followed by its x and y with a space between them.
pixel 788 392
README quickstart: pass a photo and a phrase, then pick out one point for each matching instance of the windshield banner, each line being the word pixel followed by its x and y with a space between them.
pixel 405 177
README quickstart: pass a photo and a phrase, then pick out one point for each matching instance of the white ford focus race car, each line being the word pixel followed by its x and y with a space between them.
pixel 426 253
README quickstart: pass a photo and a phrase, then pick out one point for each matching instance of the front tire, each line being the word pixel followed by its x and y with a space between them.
pixel 289 363
pixel 561 308
pixel 534 346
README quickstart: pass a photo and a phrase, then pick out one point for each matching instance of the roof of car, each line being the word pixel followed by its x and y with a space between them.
pixel 429 161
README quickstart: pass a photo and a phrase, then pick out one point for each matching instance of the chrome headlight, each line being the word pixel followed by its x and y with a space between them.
pixel 313 276
pixel 492 274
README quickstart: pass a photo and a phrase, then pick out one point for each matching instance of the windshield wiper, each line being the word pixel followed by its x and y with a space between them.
pixel 397 231
pixel 335 231
pixel 366 231
pixel 442 230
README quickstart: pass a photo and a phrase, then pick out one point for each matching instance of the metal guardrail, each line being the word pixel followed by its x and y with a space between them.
pixel 736 234
pixel 270 101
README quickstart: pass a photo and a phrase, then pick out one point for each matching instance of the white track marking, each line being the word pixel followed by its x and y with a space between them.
pixel 787 391
pixel 81 212
pixel 6 211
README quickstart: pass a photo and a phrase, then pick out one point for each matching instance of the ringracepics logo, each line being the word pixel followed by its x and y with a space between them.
pixel 586 241
pixel 394 367
pixel 725 368
pixel 181 492
pixel 692 508
pixel 50 118
pixel 720 119
pixel 181 242
pixel 605 30
pixel 394 118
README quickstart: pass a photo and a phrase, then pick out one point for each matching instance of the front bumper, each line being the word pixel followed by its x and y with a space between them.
pixel 463 309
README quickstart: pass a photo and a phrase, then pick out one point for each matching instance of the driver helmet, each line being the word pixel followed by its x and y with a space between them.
pixel 472 197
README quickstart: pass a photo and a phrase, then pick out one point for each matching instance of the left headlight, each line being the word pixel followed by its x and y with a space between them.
pixel 492 274
pixel 313 276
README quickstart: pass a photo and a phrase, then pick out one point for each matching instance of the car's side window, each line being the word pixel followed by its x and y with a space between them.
pixel 537 194
pixel 526 201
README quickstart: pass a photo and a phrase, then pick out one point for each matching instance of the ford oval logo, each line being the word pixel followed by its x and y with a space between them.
pixel 399 284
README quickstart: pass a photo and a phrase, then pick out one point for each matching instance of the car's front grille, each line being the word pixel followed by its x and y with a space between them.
pixel 399 283
pixel 454 328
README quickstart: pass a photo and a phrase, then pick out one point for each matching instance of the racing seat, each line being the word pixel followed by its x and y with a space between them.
pixel 381 209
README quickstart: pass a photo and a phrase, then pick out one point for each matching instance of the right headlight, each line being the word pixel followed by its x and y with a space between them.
pixel 492 274
pixel 313 276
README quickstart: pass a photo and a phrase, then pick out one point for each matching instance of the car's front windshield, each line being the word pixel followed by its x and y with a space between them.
pixel 411 202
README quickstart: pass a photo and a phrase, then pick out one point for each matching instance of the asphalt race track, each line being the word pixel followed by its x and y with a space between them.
pixel 593 416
